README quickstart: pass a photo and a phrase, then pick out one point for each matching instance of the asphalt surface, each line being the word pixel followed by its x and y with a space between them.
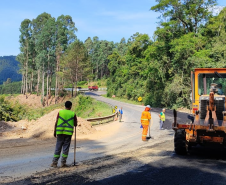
pixel 124 159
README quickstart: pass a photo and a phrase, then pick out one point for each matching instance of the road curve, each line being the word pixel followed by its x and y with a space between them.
pixel 126 138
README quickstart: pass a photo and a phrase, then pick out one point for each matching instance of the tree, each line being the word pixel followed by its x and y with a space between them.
pixel 44 26
pixel 75 62
pixel 65 35
pixel 189 14
pixel 25 39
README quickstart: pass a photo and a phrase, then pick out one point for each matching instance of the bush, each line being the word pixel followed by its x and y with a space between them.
pixel 9 111
pixel 81 83
pixel 87 107
pixel 10 88
pixel 62 93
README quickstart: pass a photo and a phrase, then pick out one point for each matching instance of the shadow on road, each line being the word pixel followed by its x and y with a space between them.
pixel 161 168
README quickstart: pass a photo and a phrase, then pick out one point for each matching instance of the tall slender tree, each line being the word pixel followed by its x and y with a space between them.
pixel 65 35
pixel 75 62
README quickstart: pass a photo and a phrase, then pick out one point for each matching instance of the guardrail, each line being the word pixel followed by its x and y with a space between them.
pixel 102 119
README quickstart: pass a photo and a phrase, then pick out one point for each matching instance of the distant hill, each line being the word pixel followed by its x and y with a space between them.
pixel 9 68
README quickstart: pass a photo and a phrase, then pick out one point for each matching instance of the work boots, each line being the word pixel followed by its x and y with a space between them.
pixel 63 164
pixel 54 165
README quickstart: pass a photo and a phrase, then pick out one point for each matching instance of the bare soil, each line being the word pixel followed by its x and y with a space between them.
pixel 41 128
pixel 34 101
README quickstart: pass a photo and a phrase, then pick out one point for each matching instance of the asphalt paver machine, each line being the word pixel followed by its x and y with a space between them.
pixel 208 119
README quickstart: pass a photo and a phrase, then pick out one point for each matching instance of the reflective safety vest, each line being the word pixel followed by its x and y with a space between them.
pixel 162 115
pixel 65 123
pixel 145 118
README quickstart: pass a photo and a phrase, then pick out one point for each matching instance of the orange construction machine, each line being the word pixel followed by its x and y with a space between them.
pixel 208 122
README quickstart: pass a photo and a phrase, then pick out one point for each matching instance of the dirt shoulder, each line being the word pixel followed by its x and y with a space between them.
pixel 25 132
pixel 42 128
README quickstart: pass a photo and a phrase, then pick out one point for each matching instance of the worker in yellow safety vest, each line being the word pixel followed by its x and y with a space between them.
pixel 63 131
pixel 162 119
pixel 145 121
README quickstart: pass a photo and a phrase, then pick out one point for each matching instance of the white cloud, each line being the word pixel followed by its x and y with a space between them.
pixel 216 9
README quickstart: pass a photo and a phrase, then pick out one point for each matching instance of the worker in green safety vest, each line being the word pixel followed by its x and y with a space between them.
pixel 63 131
pixel 162 119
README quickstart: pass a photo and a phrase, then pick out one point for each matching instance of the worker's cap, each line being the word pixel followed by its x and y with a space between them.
pixel 148 106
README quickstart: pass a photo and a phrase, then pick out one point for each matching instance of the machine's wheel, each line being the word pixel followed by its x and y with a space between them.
pixel 180 142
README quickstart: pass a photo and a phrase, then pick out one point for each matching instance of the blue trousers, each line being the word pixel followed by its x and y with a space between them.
pixel 63 142
pixel 161 123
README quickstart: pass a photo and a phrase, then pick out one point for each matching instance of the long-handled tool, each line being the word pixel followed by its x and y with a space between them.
pixel 149 128
pixel 75 147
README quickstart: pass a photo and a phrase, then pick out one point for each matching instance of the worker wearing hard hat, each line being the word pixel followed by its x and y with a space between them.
pixel 145 120
pixel 162 119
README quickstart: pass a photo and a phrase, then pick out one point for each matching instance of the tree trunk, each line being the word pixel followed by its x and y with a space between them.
pixel 38 82
pixel 50 84
pixel 56 87
pixel 32 78
pixel 75 88
pixel 43 88
pixel 47 89
pixel 23 85
pixel 72 92
pixel 26 69
pixel 97 71
pixel 57 83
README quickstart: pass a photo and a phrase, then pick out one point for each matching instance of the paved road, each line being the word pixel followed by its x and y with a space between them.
pixel 124 159
pixel 30 160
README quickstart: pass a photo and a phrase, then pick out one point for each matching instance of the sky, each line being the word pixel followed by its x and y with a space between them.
pixel 108 19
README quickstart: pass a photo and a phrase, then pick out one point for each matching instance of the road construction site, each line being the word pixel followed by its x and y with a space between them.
pixel 112 153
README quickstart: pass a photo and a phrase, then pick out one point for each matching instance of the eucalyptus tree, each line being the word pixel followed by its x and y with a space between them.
pixel 21 58
pixel 106 49
pixel 65 35
pixel 95 57
pixel 89 45
pixel 75 62
pixel 41 45
pixel 43 26
pixel 99 50
pixel 122 47
pixel 25 39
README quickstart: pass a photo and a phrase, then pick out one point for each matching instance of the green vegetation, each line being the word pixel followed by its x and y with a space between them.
pixel 83 106
pixel 9 87
pixel 158 70
pixel 9 68
pixel 42 44
pixel 11 111
pixel 87 107
pixel 188 36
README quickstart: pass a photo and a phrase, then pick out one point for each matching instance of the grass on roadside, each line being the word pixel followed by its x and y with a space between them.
pixel 87 107
pixel 83 106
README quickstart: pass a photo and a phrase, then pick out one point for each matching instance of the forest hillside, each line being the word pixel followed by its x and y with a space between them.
pixel 9 68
